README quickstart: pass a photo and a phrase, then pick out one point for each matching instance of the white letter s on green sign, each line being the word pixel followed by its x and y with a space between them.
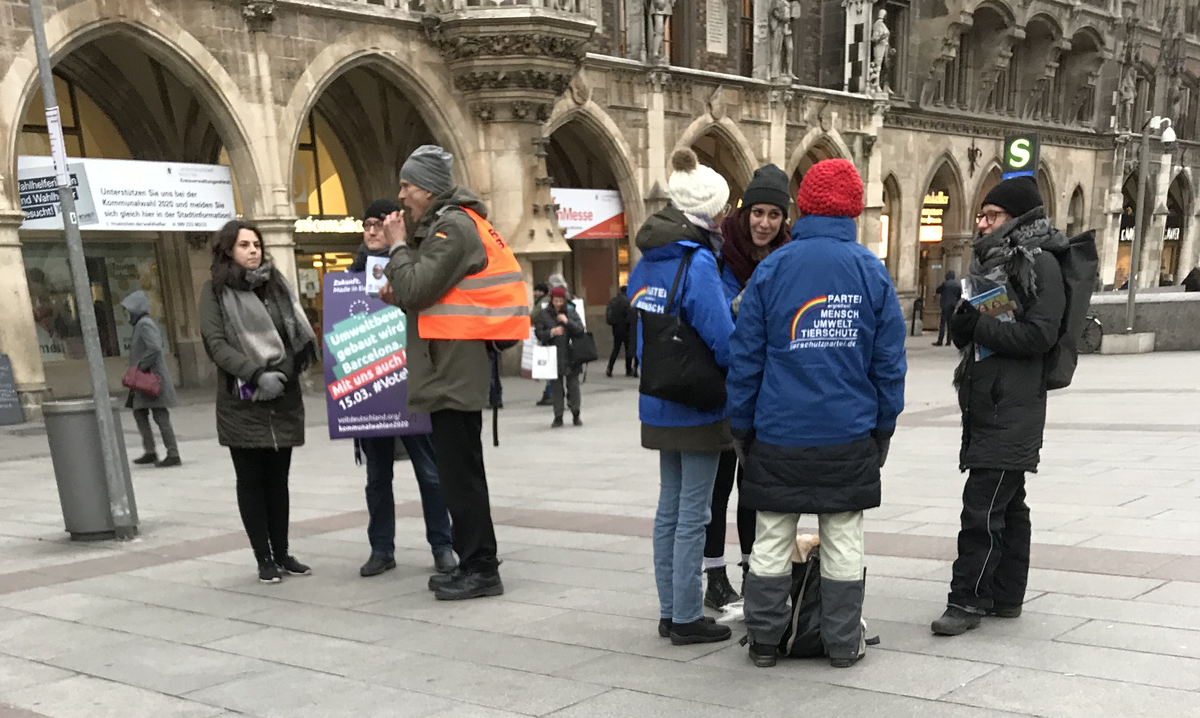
pixel 1019 153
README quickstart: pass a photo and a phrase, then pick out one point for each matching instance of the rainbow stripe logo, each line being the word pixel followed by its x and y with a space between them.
pixel 814 302
pixel 640 293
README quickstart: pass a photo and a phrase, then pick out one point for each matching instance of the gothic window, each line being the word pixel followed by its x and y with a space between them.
pixel 747 37
pixel 1189 104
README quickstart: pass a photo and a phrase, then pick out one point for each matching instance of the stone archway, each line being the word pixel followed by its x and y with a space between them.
pixel 587 153
pixel 159 95
pixel 1179 210
pixel 816 148
pixel 1076 212
pixel 1049 195
pixel 721 145
pixel 891 221
pixel 942 235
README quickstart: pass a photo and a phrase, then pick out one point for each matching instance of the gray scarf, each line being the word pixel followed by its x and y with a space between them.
pixel 250 329
pixel 1008 253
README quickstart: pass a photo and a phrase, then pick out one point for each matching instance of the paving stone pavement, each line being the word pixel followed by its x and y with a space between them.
pixel 175 624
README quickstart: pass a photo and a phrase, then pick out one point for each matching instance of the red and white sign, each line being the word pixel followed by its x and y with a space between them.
pixel 590 213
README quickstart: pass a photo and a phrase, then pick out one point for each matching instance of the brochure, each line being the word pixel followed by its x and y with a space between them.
pixel 993 302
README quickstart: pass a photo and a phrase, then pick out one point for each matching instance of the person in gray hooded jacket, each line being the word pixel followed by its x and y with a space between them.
pixel 146 353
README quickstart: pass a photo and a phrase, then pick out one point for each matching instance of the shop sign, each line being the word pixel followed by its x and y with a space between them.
pixel 1021 154
pixel 366 372
pixel 128 195
pixel 932 214
pixel 337 225
pixel 590 213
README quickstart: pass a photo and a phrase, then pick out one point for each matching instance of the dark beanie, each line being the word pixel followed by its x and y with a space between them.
pixel 768 186
pixel 1017 196
pixel 380 209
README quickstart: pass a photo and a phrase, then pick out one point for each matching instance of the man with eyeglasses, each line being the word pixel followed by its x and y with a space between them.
pixel 380 453
pixel 1001 384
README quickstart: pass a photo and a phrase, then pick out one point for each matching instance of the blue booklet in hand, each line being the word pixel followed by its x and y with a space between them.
pixel 994 303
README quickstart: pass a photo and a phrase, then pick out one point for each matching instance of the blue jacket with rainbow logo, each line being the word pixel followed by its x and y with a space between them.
pixel 818 358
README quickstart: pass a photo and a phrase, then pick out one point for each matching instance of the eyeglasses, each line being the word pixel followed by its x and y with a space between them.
pixel 991 216
pixel 372 224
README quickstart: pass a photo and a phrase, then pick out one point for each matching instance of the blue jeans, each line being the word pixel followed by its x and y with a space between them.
pixel 684 509
pixel 381 503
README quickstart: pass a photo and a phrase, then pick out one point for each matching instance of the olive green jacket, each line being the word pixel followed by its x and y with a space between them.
pixel 242 423
pixel 442 249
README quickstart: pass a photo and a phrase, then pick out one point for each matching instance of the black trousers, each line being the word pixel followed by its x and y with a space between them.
pixel 621 338
pixel 944 325
pixel 729 471
pixel 459 451
pixel 992 568
pixel 262 492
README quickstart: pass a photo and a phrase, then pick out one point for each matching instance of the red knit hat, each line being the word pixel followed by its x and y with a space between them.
pixel 558 292
pixel 831 188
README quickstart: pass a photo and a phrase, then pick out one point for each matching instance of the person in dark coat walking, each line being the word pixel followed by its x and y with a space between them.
pixel 380 453
pixel 556 326
pixel 1002 395
pixel 757 227
pixel 617 316
pixel 1191 282
pixel 816 381
pixel 257 334
pixel 146 353
pixel 949 292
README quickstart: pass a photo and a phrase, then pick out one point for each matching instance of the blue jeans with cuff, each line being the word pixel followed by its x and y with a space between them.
pixel 380 455
pixel 684 509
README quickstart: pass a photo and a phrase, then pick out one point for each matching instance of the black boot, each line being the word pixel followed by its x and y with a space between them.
pixel 149 457
pixel 557 423
pixel 664 625
pixel 701 631
pixel 463 585
pixel 719 592
pixel 955 622
pixel 764 655
pixel 575 420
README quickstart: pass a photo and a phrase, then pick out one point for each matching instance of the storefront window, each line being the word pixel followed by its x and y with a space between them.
pixel 324 184
pixel 115 270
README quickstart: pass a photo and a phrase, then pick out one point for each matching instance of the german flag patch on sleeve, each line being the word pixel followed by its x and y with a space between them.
pixel 440 234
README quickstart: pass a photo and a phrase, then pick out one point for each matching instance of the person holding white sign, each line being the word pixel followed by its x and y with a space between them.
pixel 556 326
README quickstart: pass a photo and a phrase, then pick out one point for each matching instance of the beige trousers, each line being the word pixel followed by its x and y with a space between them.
pixel 841 544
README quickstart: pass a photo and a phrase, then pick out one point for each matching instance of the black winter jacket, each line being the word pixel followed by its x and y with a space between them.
pixel 812 479
pixel 1003 396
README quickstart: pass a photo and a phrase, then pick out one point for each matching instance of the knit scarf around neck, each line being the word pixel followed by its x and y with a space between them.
pixel 1007 255
pixel 248 323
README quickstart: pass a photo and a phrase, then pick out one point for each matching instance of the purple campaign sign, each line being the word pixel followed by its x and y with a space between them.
pixel 366 366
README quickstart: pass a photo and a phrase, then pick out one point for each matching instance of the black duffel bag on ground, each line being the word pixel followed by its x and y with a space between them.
pixel 677 365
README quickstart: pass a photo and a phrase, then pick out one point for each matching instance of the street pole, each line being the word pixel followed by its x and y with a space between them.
pixel 114 473
pixel 1139 228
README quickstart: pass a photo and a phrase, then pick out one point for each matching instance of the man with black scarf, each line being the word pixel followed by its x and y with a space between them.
pixel 1003 400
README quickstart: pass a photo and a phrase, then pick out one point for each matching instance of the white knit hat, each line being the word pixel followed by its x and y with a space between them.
pixel 694 188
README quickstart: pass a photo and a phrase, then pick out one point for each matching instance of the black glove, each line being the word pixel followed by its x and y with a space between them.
pixel 962 324
pixel 883 442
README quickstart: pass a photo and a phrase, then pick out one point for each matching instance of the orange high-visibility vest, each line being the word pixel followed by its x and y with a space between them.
pixel 489 305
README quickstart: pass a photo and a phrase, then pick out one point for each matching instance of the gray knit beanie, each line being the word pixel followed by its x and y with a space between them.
pixel 428 167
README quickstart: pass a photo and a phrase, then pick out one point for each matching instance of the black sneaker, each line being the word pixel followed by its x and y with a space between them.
pixel 462 585
pixel 1001 611
pixel 701 631
pixel 289 564
pixel 955 622
pixel 169 461
pixel 377 564
pixel 764 655
pixel 444 561
pixel 268 572
pixel 545 401
pixel 664 625
pixel 146 459
pixel 844 662
pixel 575 420
pixel 719 592
pixel 557 423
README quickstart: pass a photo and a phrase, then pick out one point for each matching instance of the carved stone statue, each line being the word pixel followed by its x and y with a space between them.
pixel 660 10
pixel 881 45
pixel 1126 97
pixel 782 48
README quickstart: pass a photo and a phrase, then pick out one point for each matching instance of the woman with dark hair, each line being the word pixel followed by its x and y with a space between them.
pixel 255 331
pixel 756 228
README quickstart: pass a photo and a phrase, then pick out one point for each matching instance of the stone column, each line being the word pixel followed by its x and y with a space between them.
pixel 657 151
pixel 18 332
pixel 279 241
pixel 1152 242
pixel 782 98
pixel 1110 241
pixel 1189 251
pixel 872 170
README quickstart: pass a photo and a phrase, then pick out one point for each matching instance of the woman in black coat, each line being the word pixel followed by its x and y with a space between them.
pixel 257 334
pixel 556 326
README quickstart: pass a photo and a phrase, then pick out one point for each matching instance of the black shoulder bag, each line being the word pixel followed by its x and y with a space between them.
pixel 677 365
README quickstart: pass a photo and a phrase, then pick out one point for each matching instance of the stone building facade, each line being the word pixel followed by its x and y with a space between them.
pixel 314 104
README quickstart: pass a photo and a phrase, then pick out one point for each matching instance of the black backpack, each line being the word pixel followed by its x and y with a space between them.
pixel 802 639
pixel 1080 265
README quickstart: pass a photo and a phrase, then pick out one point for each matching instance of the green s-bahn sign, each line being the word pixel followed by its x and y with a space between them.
pixel 1021 155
